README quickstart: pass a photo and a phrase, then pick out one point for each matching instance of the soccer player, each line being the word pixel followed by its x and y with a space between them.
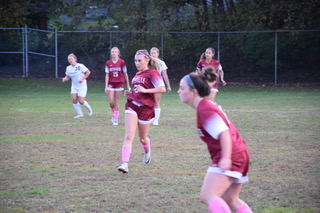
pixel 139 109
pixel 154 52
pixel 230 158
pixel 206 59
pixel 116 75
pixel 78 74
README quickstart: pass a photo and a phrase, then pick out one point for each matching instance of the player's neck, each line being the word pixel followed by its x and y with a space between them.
pixel 208 60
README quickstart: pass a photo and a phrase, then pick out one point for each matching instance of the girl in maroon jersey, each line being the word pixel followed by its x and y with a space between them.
pixel 206 59
pixel 140 106
pixel 230 158
pixel 116 75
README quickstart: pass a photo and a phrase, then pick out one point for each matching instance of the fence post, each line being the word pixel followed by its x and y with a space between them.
pixel 218 46
pixel 275 56
pixel 23 53
pixel 26 52
pixel 56 50
pixel 162 56
pixel 110 41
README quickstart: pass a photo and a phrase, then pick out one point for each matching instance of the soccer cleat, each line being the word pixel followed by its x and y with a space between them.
pixel 90 113
pixel 115 122
pixel 112 120
pixel 78 116
pixel 147 157
pixel 123 168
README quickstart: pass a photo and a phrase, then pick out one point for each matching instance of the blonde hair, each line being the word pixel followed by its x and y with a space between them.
pixel 72 55
pixel 153 64
pixel 116 49
pixel 156 49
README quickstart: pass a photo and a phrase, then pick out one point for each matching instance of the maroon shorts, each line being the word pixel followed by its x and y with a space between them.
pixel 144 113
pixel 115 85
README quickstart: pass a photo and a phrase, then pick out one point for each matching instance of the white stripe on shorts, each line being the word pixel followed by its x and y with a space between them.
pixel 239 178
pixel 131 111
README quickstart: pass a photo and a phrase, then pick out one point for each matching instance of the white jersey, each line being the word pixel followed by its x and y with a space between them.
pixel 162 65
pixel 76 73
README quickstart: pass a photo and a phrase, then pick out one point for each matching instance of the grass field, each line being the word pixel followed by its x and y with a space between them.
pixel 51 162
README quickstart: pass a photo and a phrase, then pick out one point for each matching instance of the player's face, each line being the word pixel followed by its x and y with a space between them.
pixel 114 53
pixel 185 93
pixel 72 60
pixel 141 62
pixel 209 54
pixel 154 53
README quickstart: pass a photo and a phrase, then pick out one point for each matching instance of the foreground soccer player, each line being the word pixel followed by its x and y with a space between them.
pixel 140 106
pixel 230 158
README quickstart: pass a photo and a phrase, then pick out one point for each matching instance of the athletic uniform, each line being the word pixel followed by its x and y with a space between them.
pixel 140 103
pixel 76 73
pixel 162 65
pixel 211 122
pixel 213 63
pixel 116 74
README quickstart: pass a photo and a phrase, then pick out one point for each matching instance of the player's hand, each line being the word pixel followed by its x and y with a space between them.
pixel 127 92
pixel 168 89
pixel 224 164
pixel 139 88
pixel 223 83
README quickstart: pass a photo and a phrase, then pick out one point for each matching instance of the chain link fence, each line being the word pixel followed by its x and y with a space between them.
pixel 255 57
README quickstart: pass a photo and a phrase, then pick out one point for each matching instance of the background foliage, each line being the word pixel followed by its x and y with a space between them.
pixel 138 24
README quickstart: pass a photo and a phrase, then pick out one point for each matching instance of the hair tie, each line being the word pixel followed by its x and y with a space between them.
pixel 189 81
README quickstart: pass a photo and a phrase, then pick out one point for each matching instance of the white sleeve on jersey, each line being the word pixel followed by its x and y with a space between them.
pixel 124 68
pixel 106 69
pixel 215 125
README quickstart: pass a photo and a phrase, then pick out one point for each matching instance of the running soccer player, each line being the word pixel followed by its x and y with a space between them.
pixel 206 59
pixel 230 158
pixel 154 52
pixel 78 74
pixel 140 106
pixel 116 75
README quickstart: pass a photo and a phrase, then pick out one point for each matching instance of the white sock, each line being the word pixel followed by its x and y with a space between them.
pixel 77 107
pixel 156 114
pixel 86 105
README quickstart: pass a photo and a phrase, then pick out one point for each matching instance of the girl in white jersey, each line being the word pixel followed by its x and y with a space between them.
pixel 78 74
pixel 230 158
pixel 140 106
pixel 154 52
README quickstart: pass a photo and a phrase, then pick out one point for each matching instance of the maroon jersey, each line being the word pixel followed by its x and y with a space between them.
pixel 213 63
pixel 211 121
pixel 148 79
pixel 116 70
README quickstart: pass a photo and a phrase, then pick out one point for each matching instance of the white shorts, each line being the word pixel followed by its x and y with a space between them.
pixel 214 89
pixel 238 177
pixel 80 91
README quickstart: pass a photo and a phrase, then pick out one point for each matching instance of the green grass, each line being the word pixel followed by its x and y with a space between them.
pixel 50 162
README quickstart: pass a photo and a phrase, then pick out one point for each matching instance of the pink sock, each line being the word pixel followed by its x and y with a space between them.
pixel 112 110
pixel 116 114
pixel 146 147
pixel 126 152
pixel 244 209
pixel 218 205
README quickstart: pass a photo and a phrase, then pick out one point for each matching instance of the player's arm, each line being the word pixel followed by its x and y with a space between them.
pixel 106 82
pixel 66 78
pixel 160 89
pixel 222 77
pixel 166 79
pixel 126 77
pixel 86 75
pixel 226 150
